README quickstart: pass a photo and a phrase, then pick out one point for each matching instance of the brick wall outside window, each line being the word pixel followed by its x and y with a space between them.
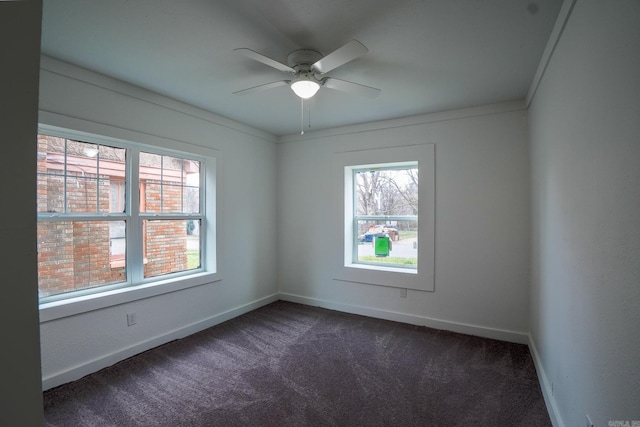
pixel 74 255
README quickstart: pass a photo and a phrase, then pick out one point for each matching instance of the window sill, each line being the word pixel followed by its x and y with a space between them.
pixel 385 276
pixel 383 268
pixel 82 304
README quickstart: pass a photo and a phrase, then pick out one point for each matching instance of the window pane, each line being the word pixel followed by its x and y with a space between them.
pixel 149 160
pixel 50 191
pixel 111 164
pixel 116 196
pixel 169 184
pixel 192 191
pixel 75 176
pixel 386 191
pixel 82 172
pixel 77 255
pixel 51 156
pixel 393 243
pixel 171 246
pixel 172 170
pixel 192 200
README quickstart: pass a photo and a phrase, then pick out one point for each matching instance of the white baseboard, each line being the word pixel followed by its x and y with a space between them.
pixel 547 391
pixel 106 360
pixel 464 328
pixel 95 365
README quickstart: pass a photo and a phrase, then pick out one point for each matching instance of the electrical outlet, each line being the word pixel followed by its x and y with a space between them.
pixel 132 319
pixel 403 292
pixel 588 421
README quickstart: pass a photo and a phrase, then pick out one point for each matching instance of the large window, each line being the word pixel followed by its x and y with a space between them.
pixel 387 206
pixel 115 215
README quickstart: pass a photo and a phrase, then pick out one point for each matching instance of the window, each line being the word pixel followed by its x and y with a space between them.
pixel 114 215
pixel 387 206
pixel 385 218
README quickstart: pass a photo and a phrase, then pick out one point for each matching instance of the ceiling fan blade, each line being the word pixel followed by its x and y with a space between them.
pixel 262 87
pixel 265 60
pixel 355 88
pixel 340 56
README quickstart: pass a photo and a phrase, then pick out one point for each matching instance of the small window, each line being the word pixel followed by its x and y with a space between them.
pixel 387 206
pixel 386 216
pixel 112 216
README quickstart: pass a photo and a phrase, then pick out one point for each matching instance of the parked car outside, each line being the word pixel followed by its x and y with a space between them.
pixel 380 230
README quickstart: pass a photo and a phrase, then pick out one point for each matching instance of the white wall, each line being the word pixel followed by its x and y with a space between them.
pixel 78 99
pixel 585 139
pixel 20 397
pixel 482 245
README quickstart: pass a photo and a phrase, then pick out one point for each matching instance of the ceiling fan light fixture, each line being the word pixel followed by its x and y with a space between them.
pixel 305 87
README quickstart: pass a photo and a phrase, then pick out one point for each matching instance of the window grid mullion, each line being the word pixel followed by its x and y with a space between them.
pixel 386 217
pixel 162 183
pixel 182 184
pixel 97 180
pixel 81 217
pixel 135 244
pixel 66 171
pixel 202 211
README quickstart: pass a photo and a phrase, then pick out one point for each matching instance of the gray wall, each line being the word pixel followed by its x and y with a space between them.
pixel 481 221
pixel 585 149
pixel 20 397
pixel 74 98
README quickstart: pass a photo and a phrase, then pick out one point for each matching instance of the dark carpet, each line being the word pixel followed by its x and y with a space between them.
pixel 288 364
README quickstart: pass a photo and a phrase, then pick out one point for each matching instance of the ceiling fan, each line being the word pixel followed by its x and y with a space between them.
pixel 308 67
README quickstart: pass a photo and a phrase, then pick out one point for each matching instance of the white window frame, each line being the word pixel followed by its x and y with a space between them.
pixel 137 287
pixel 344 164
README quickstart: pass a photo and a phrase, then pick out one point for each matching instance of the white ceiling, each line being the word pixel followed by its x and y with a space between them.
pixel 425 55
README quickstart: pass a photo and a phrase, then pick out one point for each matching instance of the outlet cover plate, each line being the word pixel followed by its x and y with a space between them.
pixel 132 319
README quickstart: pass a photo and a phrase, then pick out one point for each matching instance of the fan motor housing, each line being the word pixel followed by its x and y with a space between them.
pixel 301 60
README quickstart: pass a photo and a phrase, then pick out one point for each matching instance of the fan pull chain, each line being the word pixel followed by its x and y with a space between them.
pixel 301 116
